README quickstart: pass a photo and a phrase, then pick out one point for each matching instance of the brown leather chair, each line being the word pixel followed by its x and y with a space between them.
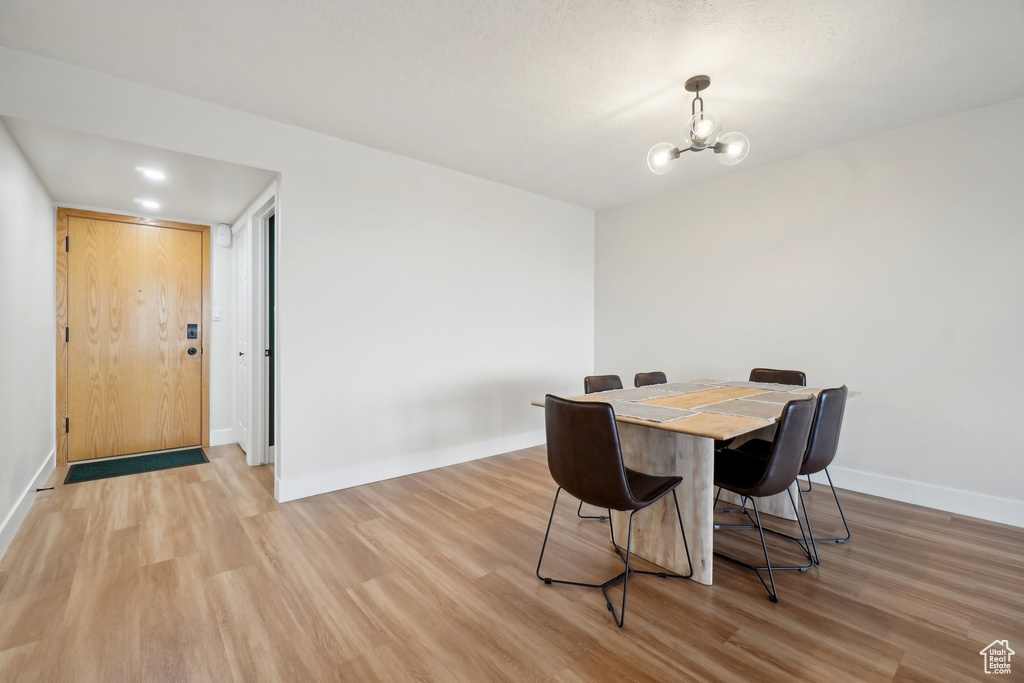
pixel 646 379
pixel 595 383
pixel 585 459
pixel 747 471
pixel 821 451
pixel 795 377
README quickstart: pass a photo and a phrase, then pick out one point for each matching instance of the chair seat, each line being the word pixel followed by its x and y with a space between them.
pixel 647 488
pixel 739 471
pixel 759 448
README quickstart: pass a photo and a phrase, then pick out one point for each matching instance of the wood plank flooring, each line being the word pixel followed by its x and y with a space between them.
pixel 198 574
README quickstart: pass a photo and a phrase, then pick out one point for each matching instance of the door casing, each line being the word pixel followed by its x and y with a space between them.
pixel 243 311
pixel 63 214
pixel 254 223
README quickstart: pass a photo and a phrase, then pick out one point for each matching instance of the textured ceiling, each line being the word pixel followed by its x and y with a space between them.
pixel 89 170
pixel 561 97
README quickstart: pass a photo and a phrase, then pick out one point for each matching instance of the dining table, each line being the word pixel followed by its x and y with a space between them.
pixel 681 442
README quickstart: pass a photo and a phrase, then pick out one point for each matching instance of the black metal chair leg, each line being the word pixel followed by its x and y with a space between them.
pixel 801 542
pixel 772 592
pixel 611 532
pixel 547 533
pixel 629 550
pixel 841 514
pixel 579 513
pixel 806 547
pixel 743 504
pixel 543 548
pixel 809 484
pixel 682 530
pixel 810 549
pixel 619 618
pixel 686 547
pixel 807 516
pixel 810 531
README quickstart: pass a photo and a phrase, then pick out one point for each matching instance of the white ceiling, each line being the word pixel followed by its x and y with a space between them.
pixel 561 97
pixel 89 170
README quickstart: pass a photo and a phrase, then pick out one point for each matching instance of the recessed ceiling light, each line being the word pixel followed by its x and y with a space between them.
pixel 151 173
pixel 149 203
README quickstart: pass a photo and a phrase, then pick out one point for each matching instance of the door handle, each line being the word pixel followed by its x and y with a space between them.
pixel 241 353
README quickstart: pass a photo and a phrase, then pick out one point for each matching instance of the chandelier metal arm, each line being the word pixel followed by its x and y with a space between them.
pixel 717 148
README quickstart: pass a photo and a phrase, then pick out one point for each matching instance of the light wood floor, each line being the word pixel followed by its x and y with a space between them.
pixel 197 574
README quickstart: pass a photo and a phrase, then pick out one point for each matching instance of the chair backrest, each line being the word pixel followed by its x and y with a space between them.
pixel 601 383
pixel 583 452
pixel 788 448
pixel 645 379
pixel 778 376
pixel 824 439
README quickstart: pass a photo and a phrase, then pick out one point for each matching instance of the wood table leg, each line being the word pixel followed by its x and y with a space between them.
pixel 656 534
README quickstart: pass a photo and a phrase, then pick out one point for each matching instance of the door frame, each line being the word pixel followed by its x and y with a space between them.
pixel 63 213
pixel 255 222
pixel 241 301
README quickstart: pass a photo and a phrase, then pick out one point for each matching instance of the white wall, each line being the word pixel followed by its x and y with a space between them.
pixel 222 341
pixel 421 309
pixel 892 264
pixel 27 342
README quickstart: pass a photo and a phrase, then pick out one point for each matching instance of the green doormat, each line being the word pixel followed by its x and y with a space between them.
pixel 137 465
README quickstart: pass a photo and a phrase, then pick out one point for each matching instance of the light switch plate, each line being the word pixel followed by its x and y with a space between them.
pixel 216 314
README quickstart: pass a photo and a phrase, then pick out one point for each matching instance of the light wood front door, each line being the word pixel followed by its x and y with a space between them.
pixel 135 380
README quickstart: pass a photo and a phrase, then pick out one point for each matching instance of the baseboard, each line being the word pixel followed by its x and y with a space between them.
pixel 222 437
pixel 366 473
pixel 991 508
pixel 12 522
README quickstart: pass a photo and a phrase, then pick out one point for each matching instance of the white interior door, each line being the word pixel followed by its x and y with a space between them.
pixel 243 314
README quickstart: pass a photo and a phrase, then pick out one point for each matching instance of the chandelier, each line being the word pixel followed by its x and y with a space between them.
pixel 704 132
